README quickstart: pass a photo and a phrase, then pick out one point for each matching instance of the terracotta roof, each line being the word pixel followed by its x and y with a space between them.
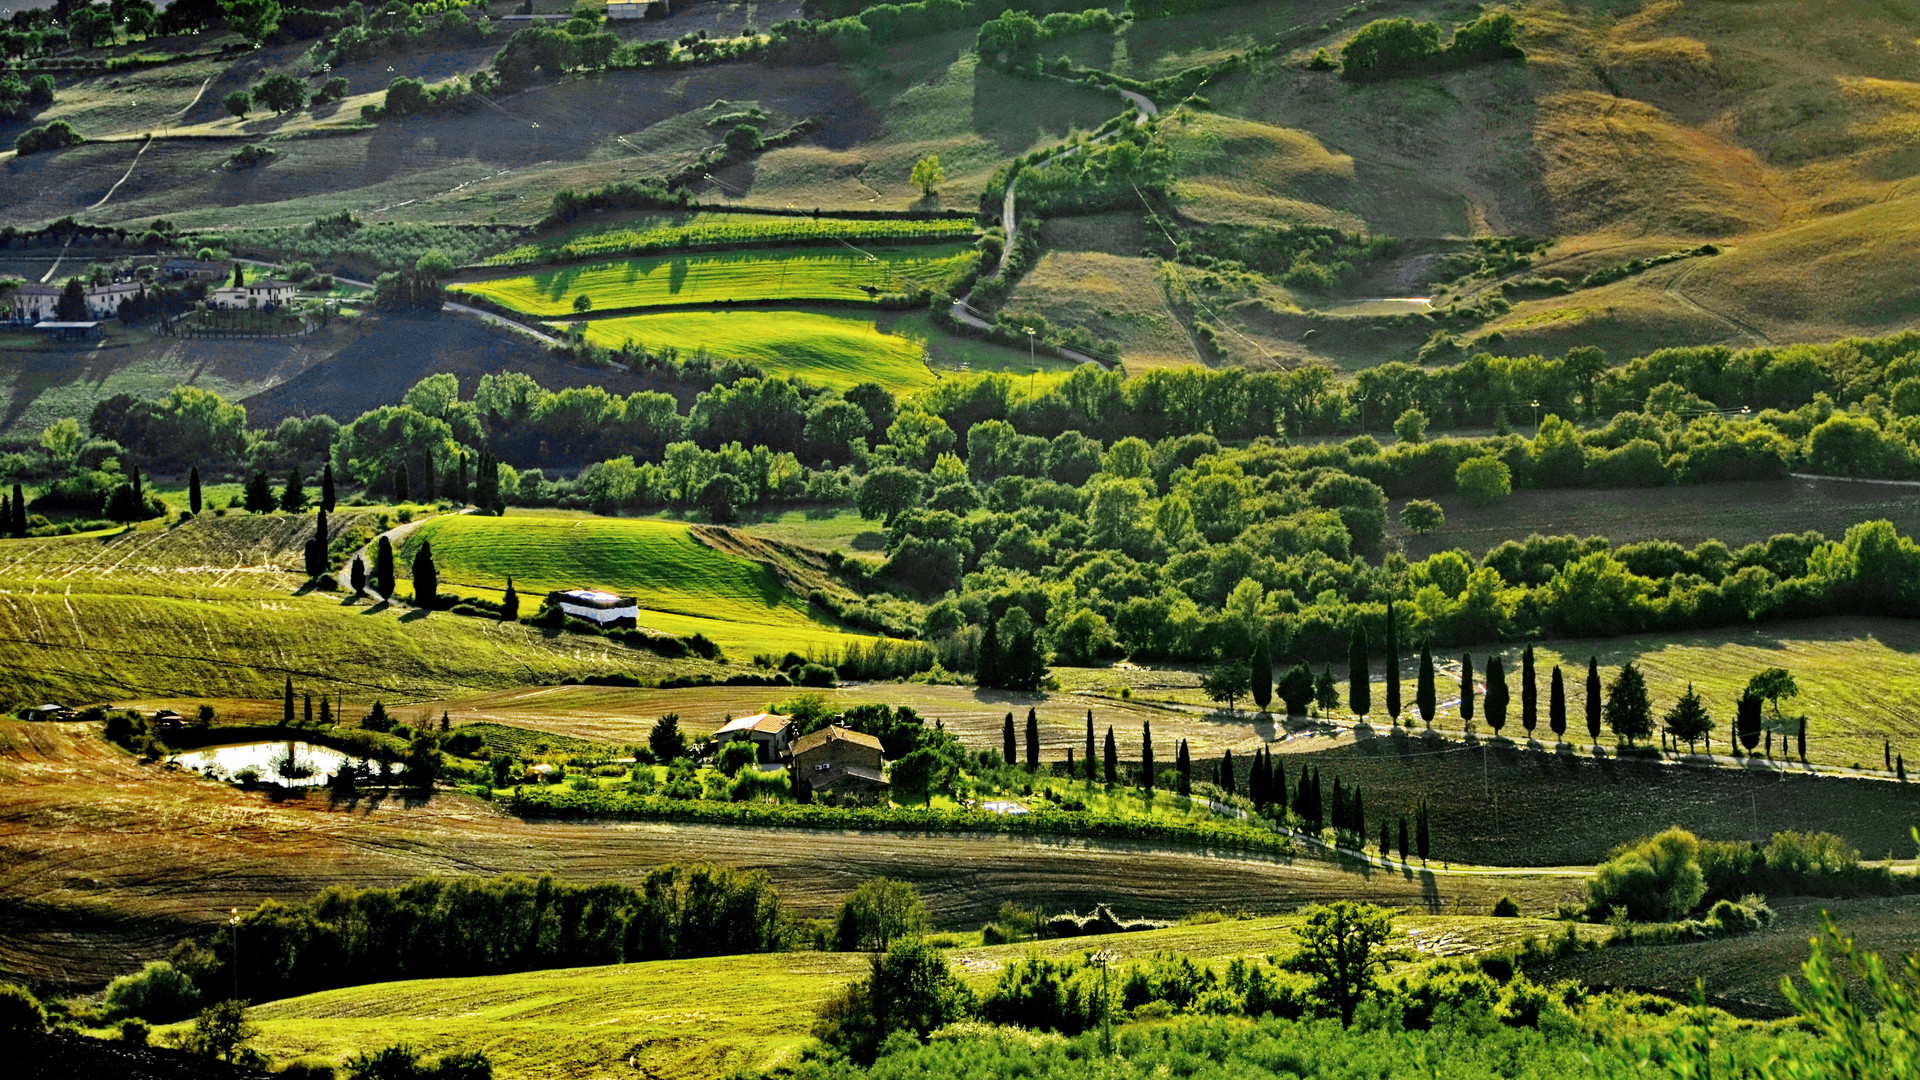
pixel 767 722
pixel 830 777
pixel 825 735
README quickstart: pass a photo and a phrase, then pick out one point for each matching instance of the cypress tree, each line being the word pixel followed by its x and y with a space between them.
pixel 1008 747
pixel 1262 673
pixel 1090 764
pixel 1070 766
pixel 1466 689
pixel 1183 768
pixel 986 666
pixel 1557 704
pixel 326 488
pixel 1393 666
pixel 1886 749
pixel 429 483
pixel 1421 834
pixel 1227 781
pixel 309 713
pixel 1385 838
pixel 357 574
pixel 1357 820
pixel 1803 740
pixel 193 489
pixel 1359 678
pixel 1424 695
pixel 6 514
pixel 1276 779
pixel 19 511
pixel 326 711
pixel 1257 782
pixel 460 491
pixel 1146 752
pixel 426 579
pixel 1339 814
pixel 384 581
pixel 1593 698
pixel 1112 761
pixel 1033 739
pixel 286 714
pixel 1404 846
pixel 1497 695
pixel 1529 693
pixel 400 483
pixel 139 490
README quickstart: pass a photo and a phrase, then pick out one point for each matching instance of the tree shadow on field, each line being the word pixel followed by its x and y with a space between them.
pixel 415 615
pixel 379 608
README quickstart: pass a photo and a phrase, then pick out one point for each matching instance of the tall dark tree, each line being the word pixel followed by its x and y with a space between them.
pixel 1420 822
pixel 1593 698
pixel 1227 779
pixel 1386 839
pixel 426 578
pixel 1466 688
pixel 357 575
pixel 1557 704
pixel 1257 781
pixel 1393 666
pixel 1111 758
pixel 139 489
pixel 317 546
pixel 1803 740
pixel 1748 721
pixel 1404 846
pixel 1146 753
pixel 19 511
pixel 1296 689
pixel 1009 746
pixel 1425 697
pixel 326 711
pixel 1183 768
pixel 429 481
pixel 1033 740
pixel 293 497
pixel 460 481
pixel 6 514
pixel 193 489
pixel 286 704
pixel 986 669
pixel 1359 678
pixel 385 581
pixel 258 496
pixel 1357 813
pixel 1276 776
pixel 309 712
pixel 1090 762
pixel 1529 693
pixel 1260 673
pixel 400 485
pixel 509 603
pixel 1497 694
pixel 326 488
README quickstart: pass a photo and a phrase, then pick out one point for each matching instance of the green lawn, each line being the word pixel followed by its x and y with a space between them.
pixel 832 350
pixel 834 272
pixel 683 586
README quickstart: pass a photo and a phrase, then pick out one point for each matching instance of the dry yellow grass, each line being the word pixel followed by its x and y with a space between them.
pixel 1245 172
pixel 1117 297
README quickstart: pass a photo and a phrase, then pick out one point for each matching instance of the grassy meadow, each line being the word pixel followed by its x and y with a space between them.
pixel 833 350
pixel 791 274
pixel 682 585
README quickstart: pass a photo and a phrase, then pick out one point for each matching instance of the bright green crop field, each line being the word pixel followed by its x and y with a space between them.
pixel 683 586
pixel 835 272
pixel 834 351
pixel 723 230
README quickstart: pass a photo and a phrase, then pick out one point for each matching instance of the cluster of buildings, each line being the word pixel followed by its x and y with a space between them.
pixel 38 305
pixel 834 765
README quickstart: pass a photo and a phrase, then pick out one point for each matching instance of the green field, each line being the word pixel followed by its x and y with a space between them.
pixel 835 351
pixel 683 586
pixel 722 230
pixel 833 273
pixel 714 1017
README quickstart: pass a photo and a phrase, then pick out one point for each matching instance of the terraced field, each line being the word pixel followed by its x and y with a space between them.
pixel 683 586
pixel 837 273
pixel 696 1019
pixel 708 230
pixel 830 350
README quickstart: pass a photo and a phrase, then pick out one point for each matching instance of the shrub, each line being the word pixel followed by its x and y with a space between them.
pixel 878 912
pixel 159 992
pixel 1422 516
pixel 1655 880
pixel 1485 480
pixel 1505 908
pixel 20 1010
pixel 135 1030
pixel 54 136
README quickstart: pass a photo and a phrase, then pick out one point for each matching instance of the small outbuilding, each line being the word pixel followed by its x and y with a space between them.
pixel 840 766
pixel 68 331
pixel 595 606
pixel 770 733
pixel 619 10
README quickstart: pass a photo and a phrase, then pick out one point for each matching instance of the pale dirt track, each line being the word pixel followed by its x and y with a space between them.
pixel 104 862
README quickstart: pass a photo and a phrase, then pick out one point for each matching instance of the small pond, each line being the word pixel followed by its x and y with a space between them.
pixel 291 764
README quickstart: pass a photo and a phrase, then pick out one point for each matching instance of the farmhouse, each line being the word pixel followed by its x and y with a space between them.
pixel 605 608
pixel 265 294
pixel 193 269
pixel 638 9
pixel 840 766
pixel 771 733
pixel 35 303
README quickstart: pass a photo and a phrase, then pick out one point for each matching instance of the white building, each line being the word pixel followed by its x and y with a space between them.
pixel 604 608
pixel 637 9
pixel 39 303
pixel 264 294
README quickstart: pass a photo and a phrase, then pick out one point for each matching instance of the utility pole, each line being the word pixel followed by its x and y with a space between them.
pixel 1105 958
pixel 233 920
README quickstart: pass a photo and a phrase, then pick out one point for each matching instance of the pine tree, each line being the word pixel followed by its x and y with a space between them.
pixel 1629 713
pixel 385 582
pixel 426 578
pixel 1090 764
pixel 326 488
pixel 1261 672
pixel 1033 740
pixel 1227 779
pixel 1466 690
pixel 1183 768
pixel 1688 719
pixel 1146 753
pixel 509 603
pixel 1393 666
pixel 1112 761
pixel 1405 848
pixel 1421 834
pixel 1009 748
pixel 1529 693
pixel 1593 699
pixel 1424 695
pixel 1359 678
pixel 1557 704
pixel 1497 694
pixel 293 497
pixel 286 712
pixel 258 496
pixel 193 490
